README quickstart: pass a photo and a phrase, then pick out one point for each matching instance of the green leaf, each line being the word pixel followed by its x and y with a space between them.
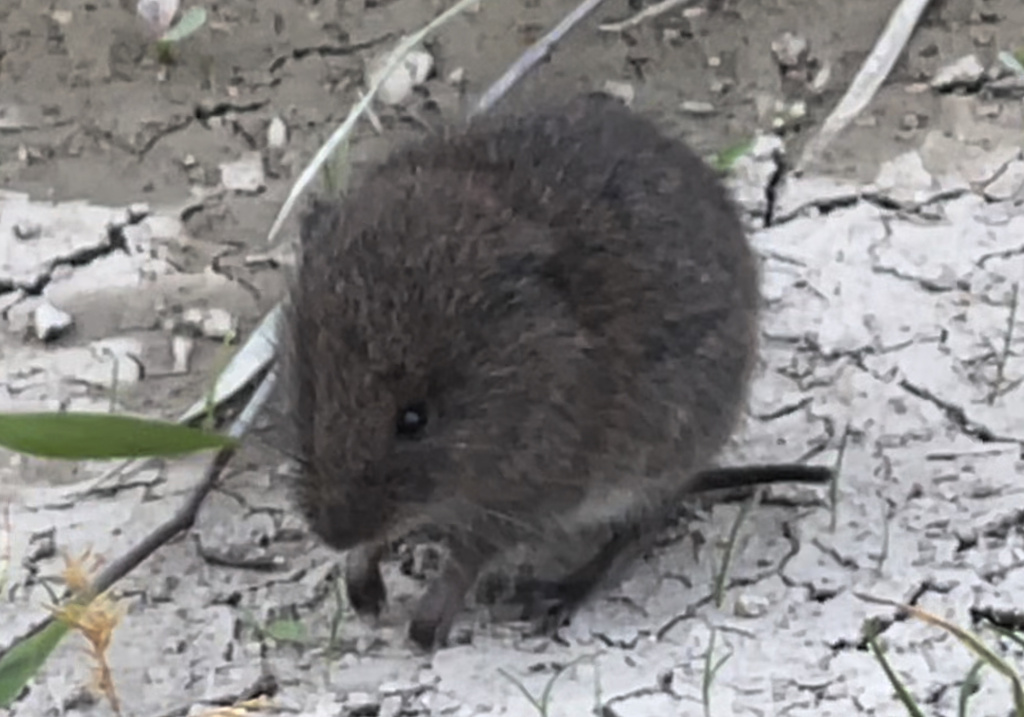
pixel 191 20
pixel 286 631
pixel 725 159
pixel 24 660
pixel 83 436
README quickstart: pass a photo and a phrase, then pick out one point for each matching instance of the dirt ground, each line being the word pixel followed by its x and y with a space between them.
pixel 87 115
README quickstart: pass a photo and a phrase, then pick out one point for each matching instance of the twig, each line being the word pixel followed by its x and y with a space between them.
pixel 534 54
pixel 646 14
pixel 182 520
pixel 872 74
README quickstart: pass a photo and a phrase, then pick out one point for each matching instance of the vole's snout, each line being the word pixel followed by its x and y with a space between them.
pixel 345 523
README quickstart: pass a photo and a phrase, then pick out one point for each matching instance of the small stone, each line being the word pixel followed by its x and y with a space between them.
pixel 244 175
pixel 49 322
pixel 457 76
pixel 622 91
pixel 905 179
pixel 751 605
pixel 397 688
pixel 181 353
pixel 361 704
pixel 790 50
pixel 212 323
pixel 277 133
pixel 694 107
pixel 137 212
pixel 26 230
pixel 821 78
pixel 411 72
pixel 965 72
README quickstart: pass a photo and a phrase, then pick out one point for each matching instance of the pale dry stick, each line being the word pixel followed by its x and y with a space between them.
pixel 872 74
pixel 375 122
pixel 647 13
pixel 182 519
pixel 534 54
pixel 345 129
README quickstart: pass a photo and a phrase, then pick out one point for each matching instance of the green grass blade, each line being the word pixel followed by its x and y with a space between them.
pixel 969 686
pixel 1010 635
pixel 901 691
pixel 88 436
pixel 191 20
pixel 24 660
pixel 522 689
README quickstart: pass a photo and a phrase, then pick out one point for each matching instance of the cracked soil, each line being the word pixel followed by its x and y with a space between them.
pixel 136 200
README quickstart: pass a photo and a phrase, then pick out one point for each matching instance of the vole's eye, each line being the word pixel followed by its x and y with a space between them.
pixel 412 420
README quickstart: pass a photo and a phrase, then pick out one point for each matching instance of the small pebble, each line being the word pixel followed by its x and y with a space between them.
pixel 623 91
pixel 964 72
pixel 751 605
pixel 397 688
pixel 790 50
pixel 49 322
pixel 181 352
pixel 25 230
pixel 211 323
pixel 277 133
pixel 411 72
pixel 137 212
pixel 244 175
pixel 361 704
pixel 694 107
pixel 457 76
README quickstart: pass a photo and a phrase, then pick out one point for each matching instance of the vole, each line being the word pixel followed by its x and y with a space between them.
pixel 517 331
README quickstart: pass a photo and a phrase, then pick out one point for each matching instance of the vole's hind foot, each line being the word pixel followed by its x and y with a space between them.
pixel 550 604
pixel 364 584
pixel 444 599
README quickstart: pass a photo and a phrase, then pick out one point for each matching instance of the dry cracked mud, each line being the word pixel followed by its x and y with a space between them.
pixel 135 201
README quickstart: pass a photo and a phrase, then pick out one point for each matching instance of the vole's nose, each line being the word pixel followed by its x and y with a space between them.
pixel 346 524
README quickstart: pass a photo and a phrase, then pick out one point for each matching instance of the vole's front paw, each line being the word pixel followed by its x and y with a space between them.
pixel 435 613
pixel 363 581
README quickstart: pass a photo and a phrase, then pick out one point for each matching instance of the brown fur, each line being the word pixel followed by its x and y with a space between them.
pixel 572 297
